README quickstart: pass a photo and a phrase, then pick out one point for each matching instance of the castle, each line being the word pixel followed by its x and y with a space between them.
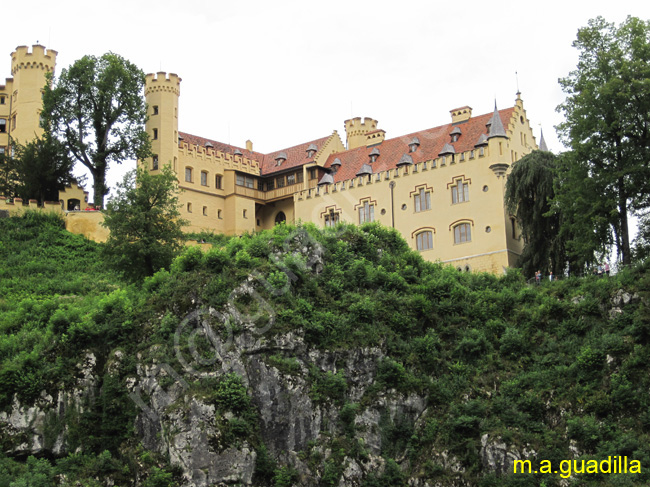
pixel 442 188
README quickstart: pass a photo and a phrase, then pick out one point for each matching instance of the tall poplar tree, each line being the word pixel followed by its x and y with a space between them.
pixel 607 128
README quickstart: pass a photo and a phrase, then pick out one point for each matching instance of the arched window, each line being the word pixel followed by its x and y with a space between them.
pixel 462 233
pixel 280 217
pixel 424 240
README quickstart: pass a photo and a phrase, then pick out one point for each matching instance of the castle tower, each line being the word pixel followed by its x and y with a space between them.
pixel 161 93
pixel 26 100
pixel 356 131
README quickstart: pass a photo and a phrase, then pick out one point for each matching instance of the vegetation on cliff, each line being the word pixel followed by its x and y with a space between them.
pixel 559 369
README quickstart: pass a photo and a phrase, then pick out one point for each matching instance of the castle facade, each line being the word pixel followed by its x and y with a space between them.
pixel 442 188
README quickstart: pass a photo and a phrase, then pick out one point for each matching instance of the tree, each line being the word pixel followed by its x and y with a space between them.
pixel 144 223
pixel 607 127
pixel 98 110
pixel 41 168
pixel 529 192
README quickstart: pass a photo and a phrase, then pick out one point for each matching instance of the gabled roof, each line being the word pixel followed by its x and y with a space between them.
pixel 432 142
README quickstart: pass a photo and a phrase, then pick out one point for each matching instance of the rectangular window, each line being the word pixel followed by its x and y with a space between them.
pixel 270 185
pixel 188 174
pixel 279 181
pixel 422 201
pixel 155 109
pixel 154 166
pixel 155 134
pixel 481 151
pixel 217 181
pixel 462 156
pixel 3 125
pixel 239 180
pixel 291 179
pixel 471 154
pixel 462 233
pixel 13 122
pixel 460 193
pixel 300 177
pixel 332 218
pixel 424 240
pixel 2 100
pixel 204 178
pixel 312 173
pixel 366 213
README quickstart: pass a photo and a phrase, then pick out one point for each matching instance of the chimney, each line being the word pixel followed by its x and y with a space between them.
pixel 249 146
pixel 461 114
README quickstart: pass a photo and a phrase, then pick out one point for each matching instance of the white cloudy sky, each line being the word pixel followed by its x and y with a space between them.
pixel 283 72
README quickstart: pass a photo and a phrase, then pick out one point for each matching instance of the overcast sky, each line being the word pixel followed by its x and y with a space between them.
pixel 285 72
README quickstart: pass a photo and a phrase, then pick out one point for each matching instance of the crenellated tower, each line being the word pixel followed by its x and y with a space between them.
pixel 25 101
pixel 161 93
pixel 357 131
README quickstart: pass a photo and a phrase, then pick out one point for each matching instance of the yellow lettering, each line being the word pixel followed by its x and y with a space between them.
pixel 606 463
pixel 565 468
pixel 635 466
pixel 522 464
pixel 592 466
pixel 545 466
pixel 582 466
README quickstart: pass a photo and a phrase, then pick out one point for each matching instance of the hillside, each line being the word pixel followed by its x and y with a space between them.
pixel 310 357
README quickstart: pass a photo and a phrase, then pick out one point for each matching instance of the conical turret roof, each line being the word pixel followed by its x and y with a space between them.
pixel 496 125
pixel 542 142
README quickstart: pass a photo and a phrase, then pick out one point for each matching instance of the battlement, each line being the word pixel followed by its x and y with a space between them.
pixel 229 161
pixel 162 81
pixel 383 177
pixel 356 131
pixel 18 206
pixel 355 126
pixel 38 58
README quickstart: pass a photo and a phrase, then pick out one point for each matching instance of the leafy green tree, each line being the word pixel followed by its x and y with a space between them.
pixel 144 223
pixel 529 191
pixel 607 127
pixel 41 168
pixel 98 110
pixel 7 176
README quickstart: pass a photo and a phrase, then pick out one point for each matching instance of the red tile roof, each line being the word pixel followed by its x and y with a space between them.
pixel 296 155
pixel 431 143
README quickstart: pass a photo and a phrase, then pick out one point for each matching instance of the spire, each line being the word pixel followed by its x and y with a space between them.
pixel 542 142
pixel 496 126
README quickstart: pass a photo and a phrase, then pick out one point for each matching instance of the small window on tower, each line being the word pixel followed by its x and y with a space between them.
pixel 155 109
pixel 154 166
pixel 2 100
pixel 155 134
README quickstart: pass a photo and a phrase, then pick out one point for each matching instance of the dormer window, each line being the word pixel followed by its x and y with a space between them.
pixel 280 158
pixel 335 165
pixel 455 134
pixel 374 155
pixel 414 144
pixel 311 150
